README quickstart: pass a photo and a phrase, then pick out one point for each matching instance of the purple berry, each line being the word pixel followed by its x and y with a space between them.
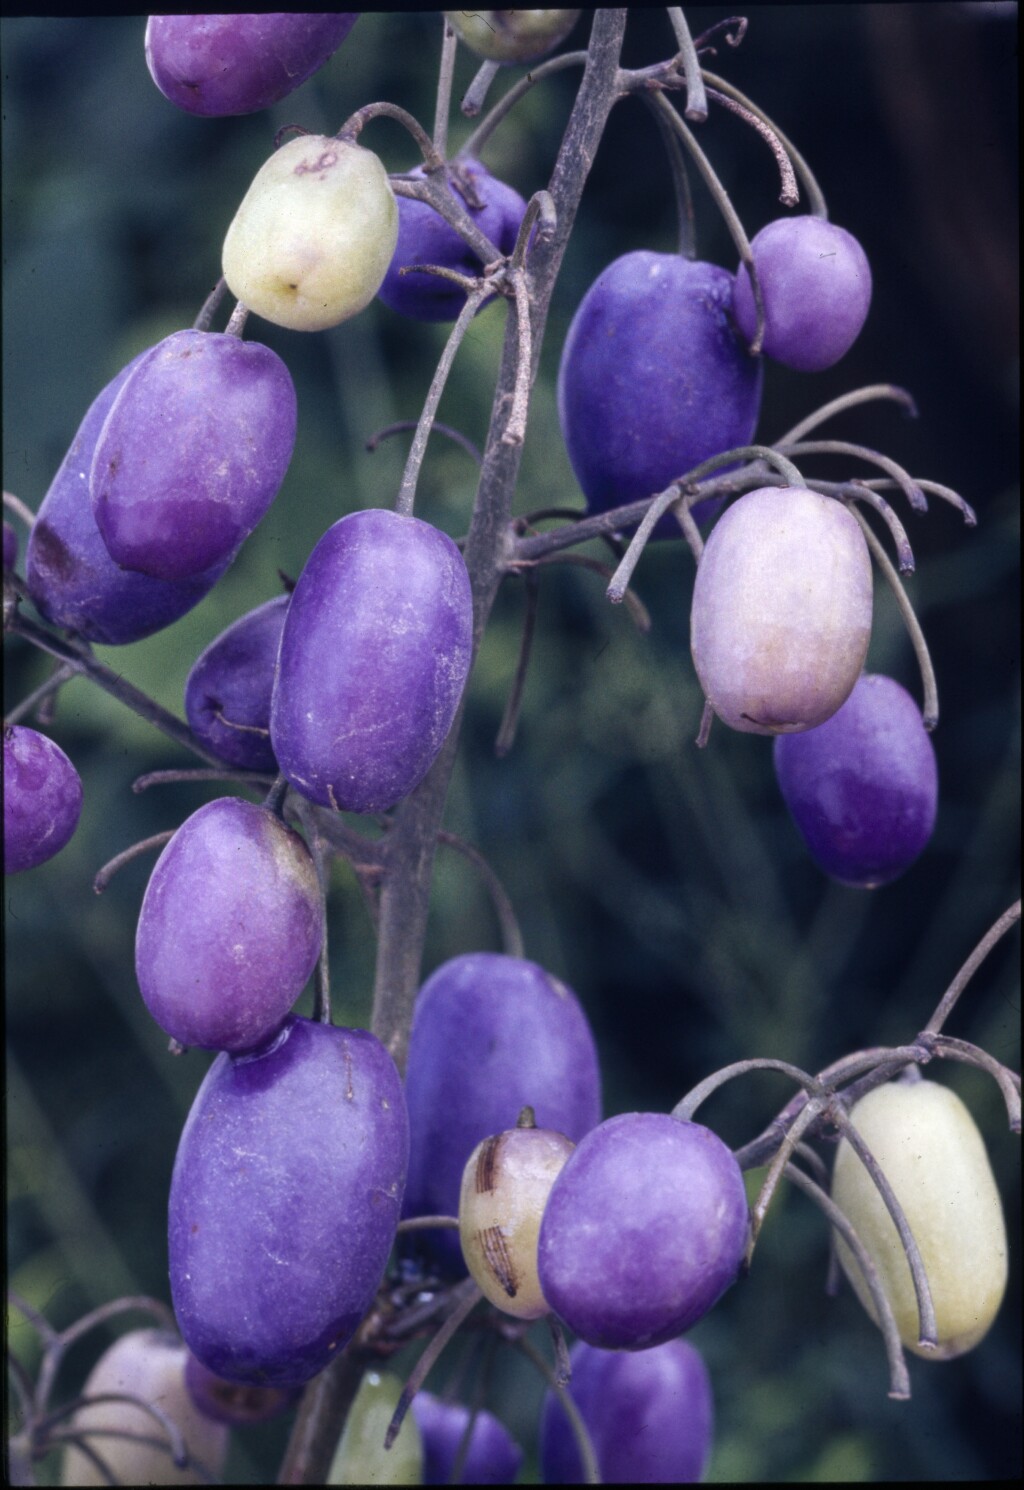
pixel 284 1201
pixel 649 1413
pixel 232 1402
pixel 425 238
pixel 10 546
pixel 375 653
pixel 228 691
pixel 193 452
pixel 653 379
pixel 863 787
pixel 644 1230
pixel 42 798
pixel 816 285
pixel 69 572
pixel 490 1035
pixel 230 929
pixel 492 1458
pixel 781 614
pixel 237 64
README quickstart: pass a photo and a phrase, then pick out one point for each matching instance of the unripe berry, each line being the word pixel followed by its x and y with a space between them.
pixel 505 1187
pixel 314 234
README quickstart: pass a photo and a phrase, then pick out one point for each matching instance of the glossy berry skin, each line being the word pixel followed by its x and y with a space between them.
pixel 816 285
pixel 237 64
pixel 69 572
pixel 863 787
pixel 230 928
pixel 508 36
pixel 653 379
pixel 192 453
pixel 232 1402
pixel 230 685
pixel 284 1200
pixel 649 1414
pixel 314 234
pixel 781 613
pixel 929 1147
pixel 374 656
pixel 425 238
pixel 493 1457
pixel 42 798
pixel 490 1035
pixel 148 1364
pixel 644 1230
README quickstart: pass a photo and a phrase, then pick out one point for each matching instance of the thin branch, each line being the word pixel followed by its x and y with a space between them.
pixel 696 97
pixel 930 705
pixel 789 192
pixel 867 394
pixel 993 935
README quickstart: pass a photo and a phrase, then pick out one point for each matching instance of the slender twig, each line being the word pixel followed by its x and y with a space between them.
pixel 696 98
pixel 903 479
pixel 468 1295
pixel 867 394
pixel 511 935
pixel 536 75
pixel 591 1468
pixel 685 219
pixel 22 509
pixel 789 192
pixel 934 489
pixel 510 719
pixel 256 779
pixel 237 320
pixel 930 704
pixel 815 196
pixel 780 1162
pixel 1008 1082
pixel 476 93
pixel 357 122
pixel 204 319
pixel 855 491
pixel 401 425
pixel 949 999
pixel 899 1377
pixel 445 73
pixel 414 460
pixel 55 681
pixel 144 846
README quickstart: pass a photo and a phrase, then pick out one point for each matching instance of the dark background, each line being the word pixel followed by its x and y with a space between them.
pixel 666 885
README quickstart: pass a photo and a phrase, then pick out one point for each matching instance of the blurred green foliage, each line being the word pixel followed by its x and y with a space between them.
pixel 666 885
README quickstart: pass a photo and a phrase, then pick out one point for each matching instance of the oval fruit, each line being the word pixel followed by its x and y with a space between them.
pixel 233 1402
pixel 492 1458
pixel 816 286
pixel 490 1035
pixel 42 798
pixel 644 1230
pixel 193 452
pixel 68 569
pixel 231 927
pixel 150 1365
pixel 505 1187
pixel 653 379
pixel 374 656
pixel 649 1414
pixel 284 1201
pixel 236 64
pixel 314 234
pixel 781 614
pixel 933 1156
pixel 512 35
pixel 425 238
pixel 230 685
pixel 863 787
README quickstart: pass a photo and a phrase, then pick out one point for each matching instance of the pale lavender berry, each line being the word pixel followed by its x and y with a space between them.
pixel 863 787
pixel 644 1230
pixel 816 285
pixel 492 1458
pixel 781 614
pixel 42 798
pixel 425 238
pixel 649 1414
